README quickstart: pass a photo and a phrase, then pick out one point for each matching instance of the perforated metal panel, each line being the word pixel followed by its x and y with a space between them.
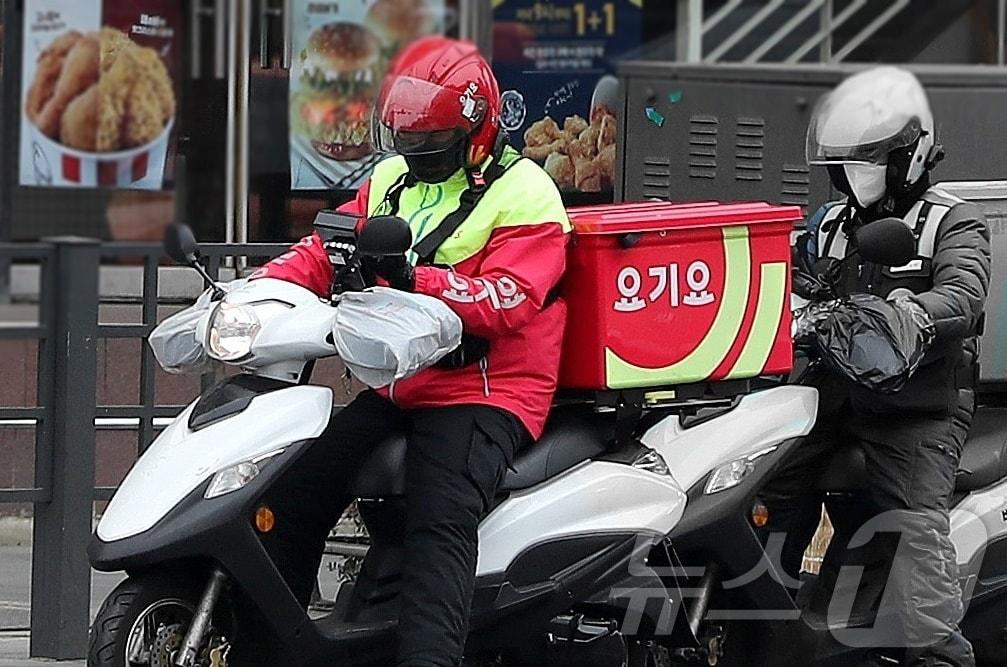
pixel 795 184
pixel 992 198
pixel 656 177
pixel 703 131
pixel 734 132
pixel 749 142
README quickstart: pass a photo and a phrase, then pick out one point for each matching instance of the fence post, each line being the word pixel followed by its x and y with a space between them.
pixel 689 34
pixel 61 573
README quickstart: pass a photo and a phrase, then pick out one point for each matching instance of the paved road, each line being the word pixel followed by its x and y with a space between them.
pixel 14 652
pixel 15 587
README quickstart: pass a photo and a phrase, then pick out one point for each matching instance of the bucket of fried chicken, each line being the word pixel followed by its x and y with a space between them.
pixel 101 109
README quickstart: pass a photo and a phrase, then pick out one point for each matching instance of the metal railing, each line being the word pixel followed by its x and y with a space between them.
pixel 791 19
pixel 66 415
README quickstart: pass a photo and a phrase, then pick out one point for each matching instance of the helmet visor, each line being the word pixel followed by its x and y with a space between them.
pixel 414 117
pixel 410 142
pixel 825 147
pixel 866 118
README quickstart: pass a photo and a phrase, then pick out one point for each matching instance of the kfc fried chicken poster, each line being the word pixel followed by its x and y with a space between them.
pixel 98 92
pixel 341 53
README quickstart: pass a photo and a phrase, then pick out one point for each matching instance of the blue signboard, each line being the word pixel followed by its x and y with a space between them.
pixel 555 63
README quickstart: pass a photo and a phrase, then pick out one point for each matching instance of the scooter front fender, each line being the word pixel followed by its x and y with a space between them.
pixel 182 458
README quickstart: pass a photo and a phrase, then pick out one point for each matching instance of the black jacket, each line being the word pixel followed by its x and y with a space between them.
pixel 950 279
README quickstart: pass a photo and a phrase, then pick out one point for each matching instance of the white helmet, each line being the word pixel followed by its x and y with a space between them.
pixel 875 132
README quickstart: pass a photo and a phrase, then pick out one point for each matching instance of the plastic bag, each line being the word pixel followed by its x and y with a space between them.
pixel 174 341
pixel 877 344
pixel 384 335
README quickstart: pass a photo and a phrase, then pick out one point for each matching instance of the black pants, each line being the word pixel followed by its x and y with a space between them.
pixel 911 463
pixel 456 459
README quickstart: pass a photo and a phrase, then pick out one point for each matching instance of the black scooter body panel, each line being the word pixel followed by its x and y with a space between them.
pixel 701 532
pixel 784 636
pixel 220 531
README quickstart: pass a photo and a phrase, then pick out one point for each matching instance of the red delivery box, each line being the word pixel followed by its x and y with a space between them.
pixel 667 294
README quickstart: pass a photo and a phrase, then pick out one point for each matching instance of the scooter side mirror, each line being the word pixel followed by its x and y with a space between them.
pixel 385 235
pixel 888 242
pixel 180 244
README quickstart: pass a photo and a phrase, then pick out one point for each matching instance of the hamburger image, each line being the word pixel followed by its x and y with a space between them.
pixel 339 75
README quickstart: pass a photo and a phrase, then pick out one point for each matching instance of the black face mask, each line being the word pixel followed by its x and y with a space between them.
pixel 437 167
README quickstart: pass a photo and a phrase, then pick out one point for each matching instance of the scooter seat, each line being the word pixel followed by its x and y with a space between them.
pixel 984 458
pixel 983 462
pixel 573 434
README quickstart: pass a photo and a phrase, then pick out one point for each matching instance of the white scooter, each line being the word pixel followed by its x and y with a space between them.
pixel 580 562
pixel 743 610
pixel 578 517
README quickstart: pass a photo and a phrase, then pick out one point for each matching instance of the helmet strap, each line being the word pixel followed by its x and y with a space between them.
pixel 935 155
pixel 474 173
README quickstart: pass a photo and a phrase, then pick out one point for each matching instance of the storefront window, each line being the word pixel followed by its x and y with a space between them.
pixel 91 117
pixel 309 144
pixel 262 133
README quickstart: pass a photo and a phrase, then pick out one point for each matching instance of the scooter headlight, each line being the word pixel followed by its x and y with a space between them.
pixel 237 476
pixel 728 476
pixel 232 331
pixel 731 474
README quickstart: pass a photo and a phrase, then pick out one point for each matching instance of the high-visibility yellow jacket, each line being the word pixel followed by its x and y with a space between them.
pixel 498 272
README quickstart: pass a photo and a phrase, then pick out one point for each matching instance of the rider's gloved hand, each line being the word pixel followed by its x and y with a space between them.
pixel 905 301
pixel 396 271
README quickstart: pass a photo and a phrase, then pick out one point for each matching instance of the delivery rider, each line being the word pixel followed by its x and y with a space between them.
pixel 490 236
pixel 875 134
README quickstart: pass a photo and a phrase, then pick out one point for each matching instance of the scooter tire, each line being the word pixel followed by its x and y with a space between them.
pixel 120 610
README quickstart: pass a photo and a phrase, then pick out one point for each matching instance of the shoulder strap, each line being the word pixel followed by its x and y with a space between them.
pixel 921 219
pixel 479 185
pixel 928 234
pixel 830 230
pixel 394 193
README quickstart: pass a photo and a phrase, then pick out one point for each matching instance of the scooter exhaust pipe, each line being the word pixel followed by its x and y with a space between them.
pixel 186 656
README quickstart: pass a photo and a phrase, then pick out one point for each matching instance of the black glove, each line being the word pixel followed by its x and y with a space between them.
pixel 806 321
pixel 396 270
pixel 472 349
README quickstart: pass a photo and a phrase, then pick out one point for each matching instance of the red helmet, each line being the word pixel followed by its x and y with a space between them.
pixel 437 91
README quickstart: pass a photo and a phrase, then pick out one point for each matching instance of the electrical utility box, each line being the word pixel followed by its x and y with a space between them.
pixel 737 133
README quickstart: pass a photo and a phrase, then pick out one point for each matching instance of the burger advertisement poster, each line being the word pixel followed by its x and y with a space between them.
pixel 98 97
pixel 554 60
pixel 341 53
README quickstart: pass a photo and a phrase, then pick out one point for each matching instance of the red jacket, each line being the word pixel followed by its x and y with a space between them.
pixel 500 291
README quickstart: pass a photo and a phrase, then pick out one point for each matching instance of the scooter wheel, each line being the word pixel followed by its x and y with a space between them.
pixel 140 619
